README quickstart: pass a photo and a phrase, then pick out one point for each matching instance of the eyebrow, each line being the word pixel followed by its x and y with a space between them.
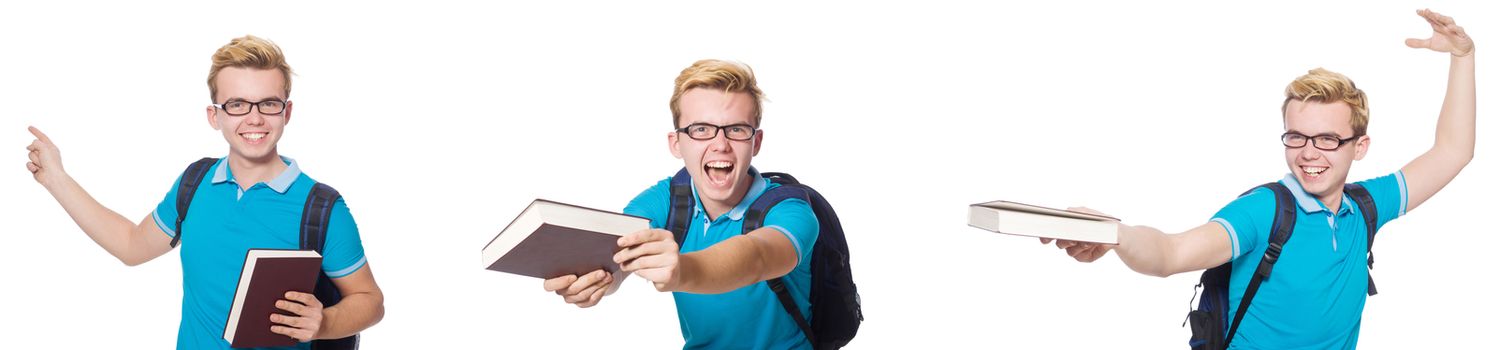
pixel 241 99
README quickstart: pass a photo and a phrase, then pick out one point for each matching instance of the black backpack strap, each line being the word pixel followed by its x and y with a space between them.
pixel 187 187
pixel 1364 202
pixel 682 204
pixel 1283 227
pixel 315 216
pixel 754 219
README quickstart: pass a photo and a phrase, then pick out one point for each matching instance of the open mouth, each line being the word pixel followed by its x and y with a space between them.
pixel 1312 171
pixel 718 172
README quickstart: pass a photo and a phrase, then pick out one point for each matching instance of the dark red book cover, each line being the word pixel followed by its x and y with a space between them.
pixel 266 277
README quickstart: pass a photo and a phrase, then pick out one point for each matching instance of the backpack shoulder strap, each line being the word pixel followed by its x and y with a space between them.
pixel 753 219
pixel 187 187
pixel 1364 202
pixel 1285 212
pixel 682 204
pixel 315 215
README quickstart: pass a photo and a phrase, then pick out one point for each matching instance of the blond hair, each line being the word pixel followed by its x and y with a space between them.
pixel 720 75
pixel 1323 86
pixel 251 52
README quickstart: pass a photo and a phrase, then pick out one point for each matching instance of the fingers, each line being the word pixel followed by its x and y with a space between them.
pixel 1416 43
pixel 304 298
pixel 649 262
pixel 1044 240
pixel 593 298
pixel 31 166
pixel 301 334
pixel 584 295
pixel 39 135
pixel 658 247
pixel 293 322
pixel 559 283
pixel 584 291
pixel 590 280
pixel 295 308
pixel 35 157
pixel 644 236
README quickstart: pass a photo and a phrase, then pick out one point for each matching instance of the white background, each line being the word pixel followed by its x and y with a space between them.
pixel 439 122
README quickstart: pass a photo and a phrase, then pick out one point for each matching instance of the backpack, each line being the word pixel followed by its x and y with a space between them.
pixel 835 305
pixel 314 221
pixel 1208 322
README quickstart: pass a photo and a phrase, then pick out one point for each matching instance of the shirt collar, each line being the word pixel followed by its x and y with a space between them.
pixel 757 188
pixel 280 183
pixel 1307 202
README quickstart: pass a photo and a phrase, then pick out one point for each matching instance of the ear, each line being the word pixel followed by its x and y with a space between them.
pixel 758 142
pixel 674 143
pixel 212 120
pixel 286 114
pixel 1362 144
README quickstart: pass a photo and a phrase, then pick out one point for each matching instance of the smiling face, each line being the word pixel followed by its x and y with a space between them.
pixel 719 167
pixel 252 136
pixel 1322 173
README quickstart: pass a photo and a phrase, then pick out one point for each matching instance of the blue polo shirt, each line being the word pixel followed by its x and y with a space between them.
pixel 750 317
pixel 1315 296
pixel 224 223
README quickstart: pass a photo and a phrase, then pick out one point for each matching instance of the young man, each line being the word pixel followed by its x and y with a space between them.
pixel 1320 282
pixel 715 275
pixel 253 198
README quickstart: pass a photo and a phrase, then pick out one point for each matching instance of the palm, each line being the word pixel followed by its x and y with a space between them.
pixel 1448 37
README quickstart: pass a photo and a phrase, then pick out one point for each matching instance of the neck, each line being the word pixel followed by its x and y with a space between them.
pixel 248 172
pixel 1332 201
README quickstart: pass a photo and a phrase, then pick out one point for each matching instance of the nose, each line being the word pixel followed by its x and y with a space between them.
pixel 1310 153
pixel 255 118
pixel 720 143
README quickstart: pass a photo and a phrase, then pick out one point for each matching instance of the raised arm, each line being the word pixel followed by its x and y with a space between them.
pixel 1455 132
pixel 133 244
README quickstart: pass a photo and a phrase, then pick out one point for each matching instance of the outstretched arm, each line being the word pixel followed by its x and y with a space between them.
pixel 1455 132
pixel 133 244
pixel 1150 251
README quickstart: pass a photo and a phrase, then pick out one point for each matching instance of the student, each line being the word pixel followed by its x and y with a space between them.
pixel 253 198
pixel 715 275
pixel 1320 283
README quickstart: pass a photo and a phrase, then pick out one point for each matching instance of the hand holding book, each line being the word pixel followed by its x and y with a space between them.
pixel 307 320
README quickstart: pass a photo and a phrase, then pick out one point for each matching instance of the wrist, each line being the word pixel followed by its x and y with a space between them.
pixel 1467 54
pixel 323 324
pixel 686 265
pixel 56 181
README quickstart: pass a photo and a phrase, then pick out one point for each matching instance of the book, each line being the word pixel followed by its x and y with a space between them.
pixel 266 277
pixel 1036 221
pixel 552 239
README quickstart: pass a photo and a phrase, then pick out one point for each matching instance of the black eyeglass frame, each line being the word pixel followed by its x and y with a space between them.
pixel 1312 140
pixel 256 105
pixel 718 129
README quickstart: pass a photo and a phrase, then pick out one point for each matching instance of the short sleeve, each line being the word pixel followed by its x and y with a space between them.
pixel 1247 220
pixel 654 204
pixel 1389 194
pixel 795 219
pixel 343 253
pixel 165 214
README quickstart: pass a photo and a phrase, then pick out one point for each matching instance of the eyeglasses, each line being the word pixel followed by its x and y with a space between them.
pixel 241 107
pixel 704 131
pixel 1322 142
